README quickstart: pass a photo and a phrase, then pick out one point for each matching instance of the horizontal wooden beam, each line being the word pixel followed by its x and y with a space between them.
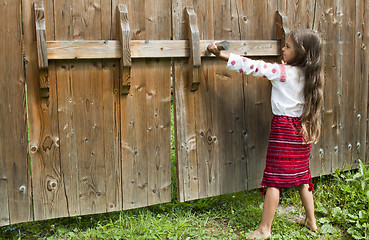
pixel 153 49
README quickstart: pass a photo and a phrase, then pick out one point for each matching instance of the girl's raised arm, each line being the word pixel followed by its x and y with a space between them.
pixel 258 68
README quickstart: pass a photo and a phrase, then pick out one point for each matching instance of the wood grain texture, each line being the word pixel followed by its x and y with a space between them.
pixel 125 43
pixel 145 111
pixel 88 106
pixel 360 80
pixel 347 37
pixel 194 44
pixel 365 79
pixel 48 188
pixel 15 180
pixel 43 62
pixel 154 49
pixel 93 150
pixel 209 128
pixel 41 36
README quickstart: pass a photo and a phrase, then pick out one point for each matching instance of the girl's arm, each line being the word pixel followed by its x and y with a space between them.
pixel 257 68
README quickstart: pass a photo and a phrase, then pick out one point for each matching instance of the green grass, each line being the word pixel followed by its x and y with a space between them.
pixel 341 201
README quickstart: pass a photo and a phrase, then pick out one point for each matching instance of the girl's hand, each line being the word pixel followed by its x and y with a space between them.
pixel 213 49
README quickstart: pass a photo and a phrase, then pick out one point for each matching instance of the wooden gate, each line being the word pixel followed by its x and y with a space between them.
pixel 89 144
pixel 98 76
pixel 223 127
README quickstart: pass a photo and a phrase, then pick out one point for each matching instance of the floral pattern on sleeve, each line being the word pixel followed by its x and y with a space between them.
pixel 257 68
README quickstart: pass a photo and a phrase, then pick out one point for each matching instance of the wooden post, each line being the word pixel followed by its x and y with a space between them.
pixel 42 49
pixel 281 28
pixel 195 53
pixel 125 41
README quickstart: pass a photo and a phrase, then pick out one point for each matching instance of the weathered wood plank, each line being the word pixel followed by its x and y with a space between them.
pixel 153 49
pixel 360 81
pixel 347 144
pixel 229 118
pixel 185 134
pixel 197 171
pixel 48 184
pixel 63 12
pixel 111 118
pixel 365 79
pixel 145 112
pixel 81 86
pixel 15 181
pixel 88 123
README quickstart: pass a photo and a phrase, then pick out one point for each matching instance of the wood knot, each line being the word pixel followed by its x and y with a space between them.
pixel 47 143
pixel 34 149
pixel 52 184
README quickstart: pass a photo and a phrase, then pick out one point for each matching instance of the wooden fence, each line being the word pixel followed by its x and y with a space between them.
pixel 97 78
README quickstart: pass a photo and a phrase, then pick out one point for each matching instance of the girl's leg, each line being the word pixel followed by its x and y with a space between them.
pixel 308 202
pixel 271 202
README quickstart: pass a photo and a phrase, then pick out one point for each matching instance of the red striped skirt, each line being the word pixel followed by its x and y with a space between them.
pixel 287 161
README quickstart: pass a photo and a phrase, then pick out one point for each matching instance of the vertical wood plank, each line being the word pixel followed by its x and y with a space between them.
pixel 15 182
pixel 145 111
pixel 111 115
pixel 348 35
pixel 111 132
pixel 188 177
pixel 48 188
pixel 91 137
pixel 360 82
pixel 230 120
pixel 366 79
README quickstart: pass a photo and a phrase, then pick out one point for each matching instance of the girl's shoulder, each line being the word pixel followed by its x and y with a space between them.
pixel 294 72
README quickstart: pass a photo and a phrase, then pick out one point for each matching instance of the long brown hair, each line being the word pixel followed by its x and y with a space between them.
pixel 308 56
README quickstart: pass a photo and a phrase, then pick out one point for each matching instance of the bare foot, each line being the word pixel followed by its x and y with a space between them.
pixel 309 224
pixel 258 234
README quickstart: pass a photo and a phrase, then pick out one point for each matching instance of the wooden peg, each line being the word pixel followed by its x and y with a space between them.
pixel 42 49
pixel 195 53
pixel 125 41
pixel 281 28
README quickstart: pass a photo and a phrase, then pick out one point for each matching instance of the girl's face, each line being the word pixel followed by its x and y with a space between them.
pixel 288 51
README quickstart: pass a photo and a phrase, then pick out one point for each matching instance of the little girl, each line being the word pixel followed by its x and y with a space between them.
pixel 297 94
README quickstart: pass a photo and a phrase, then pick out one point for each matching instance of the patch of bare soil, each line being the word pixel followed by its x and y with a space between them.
pixel 291 212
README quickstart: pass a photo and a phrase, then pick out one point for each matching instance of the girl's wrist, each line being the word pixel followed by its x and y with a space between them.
pixel 223 56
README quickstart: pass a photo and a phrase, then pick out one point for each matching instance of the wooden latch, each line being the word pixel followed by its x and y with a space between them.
pixel 195 53
pixel 125 41
pixel 43 65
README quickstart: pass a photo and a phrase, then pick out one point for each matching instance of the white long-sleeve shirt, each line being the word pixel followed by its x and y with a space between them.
pixel 287 83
